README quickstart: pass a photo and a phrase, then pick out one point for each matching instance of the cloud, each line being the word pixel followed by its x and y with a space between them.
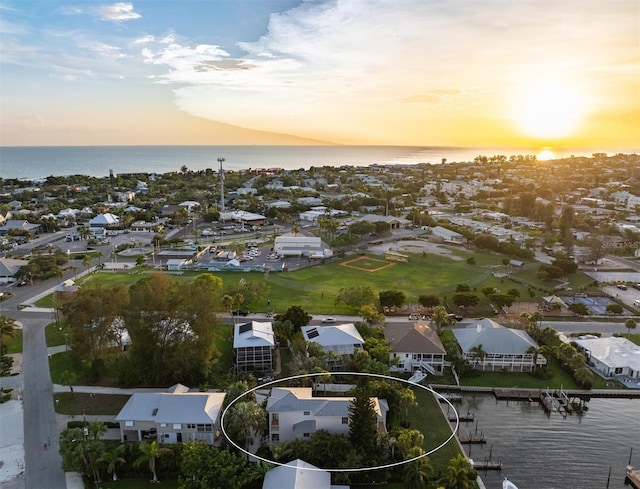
pixel 118 12
pixel 357 62
pixel 144 40
pixel 432 97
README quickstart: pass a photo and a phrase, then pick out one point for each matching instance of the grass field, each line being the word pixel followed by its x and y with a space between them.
pixel 315 288
pixel 14 345
pixel 97 404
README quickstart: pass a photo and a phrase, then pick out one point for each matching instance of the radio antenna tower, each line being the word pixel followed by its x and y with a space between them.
pixel 221 160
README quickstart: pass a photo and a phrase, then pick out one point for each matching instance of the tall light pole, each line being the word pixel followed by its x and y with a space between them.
pixel 221 160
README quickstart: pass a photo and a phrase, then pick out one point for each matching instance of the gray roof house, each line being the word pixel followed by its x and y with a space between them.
pixel 20 225
pixel 299 474
pixel 415 346
pixel 504 348
pixel 253 344
pixel 294 413
pixel 174 416
pixel 8 269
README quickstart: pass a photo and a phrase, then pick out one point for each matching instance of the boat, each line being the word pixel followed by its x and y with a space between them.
pixel 417 377
pixel 507 484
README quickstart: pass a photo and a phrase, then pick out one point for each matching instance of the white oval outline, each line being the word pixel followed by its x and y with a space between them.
pixel 359 469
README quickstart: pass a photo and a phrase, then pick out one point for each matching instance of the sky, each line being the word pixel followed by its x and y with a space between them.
pixel 490 73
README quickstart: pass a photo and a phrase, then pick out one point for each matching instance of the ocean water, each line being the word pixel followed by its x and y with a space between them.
pixel 38 161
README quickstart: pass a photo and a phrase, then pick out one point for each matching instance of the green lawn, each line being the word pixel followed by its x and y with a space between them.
pixel 55 334
pixel 428 417
pixel 97 404
pixel 14 344
pixel 58 364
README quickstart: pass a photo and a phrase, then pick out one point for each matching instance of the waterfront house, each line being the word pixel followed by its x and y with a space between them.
pixel 299 474
pixel 294 413
pixel 253 344
pixel 414 346
pixel 488 345
pixel 175 416
pixel 612 356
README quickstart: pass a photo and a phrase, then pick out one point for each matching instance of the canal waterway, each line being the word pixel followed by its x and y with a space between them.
pixel 541 450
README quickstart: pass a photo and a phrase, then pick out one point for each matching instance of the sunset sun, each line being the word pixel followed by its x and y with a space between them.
pixel 548 109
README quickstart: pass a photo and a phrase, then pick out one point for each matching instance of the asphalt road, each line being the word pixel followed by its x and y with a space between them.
pixel 43 466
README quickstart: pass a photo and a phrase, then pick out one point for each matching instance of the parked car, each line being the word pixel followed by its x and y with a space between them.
pixel 240 312
pixel 622 286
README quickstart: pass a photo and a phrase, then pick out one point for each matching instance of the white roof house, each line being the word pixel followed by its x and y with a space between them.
pixel 297 245
pixel 299 474
pixel 104 220
pixel 253 343
pixel 339 338
pixel 448 235
pixel 504 348
pixel 612 356
pixel 172 417
pixel 295 414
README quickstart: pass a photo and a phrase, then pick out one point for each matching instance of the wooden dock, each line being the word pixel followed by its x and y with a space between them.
pixel 633 477
pixel 445 396
pixel 463 418
pixel 472 438
pixel 488 465
pixel 517 394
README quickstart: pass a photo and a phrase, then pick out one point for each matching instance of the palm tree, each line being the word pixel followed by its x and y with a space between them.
pixel 630 324
pixel 111 458
pixel 537 352
pixel 416 473
pixel 85 232
pixel 87 261
pixel 96 429
pixel 8 329
pixel 477 354
pixel 227 302
pixel 406 400
pixel 150 452
pixel 247 419
pixel 440 318
pixel 457 474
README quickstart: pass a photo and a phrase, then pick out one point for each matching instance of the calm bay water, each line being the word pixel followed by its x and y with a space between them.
pixel 38 161
pixel 548 451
